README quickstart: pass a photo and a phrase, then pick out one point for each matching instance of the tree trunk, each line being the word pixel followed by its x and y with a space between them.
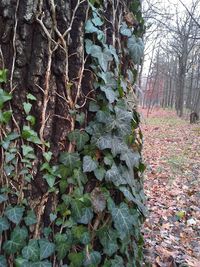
pixel 62 181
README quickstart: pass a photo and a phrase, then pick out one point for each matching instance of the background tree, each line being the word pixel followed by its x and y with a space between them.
pixel 71 188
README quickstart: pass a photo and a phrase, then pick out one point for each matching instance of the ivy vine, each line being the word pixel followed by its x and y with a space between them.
pixel 100 201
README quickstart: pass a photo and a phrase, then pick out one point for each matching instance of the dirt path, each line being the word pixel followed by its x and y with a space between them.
pixel 172 186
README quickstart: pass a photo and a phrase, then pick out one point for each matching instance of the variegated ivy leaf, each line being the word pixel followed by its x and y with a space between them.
pixel 104 56
pixel 111 95
pixel 46 248
pixel 124 30
pixel 14 214
pixel 114 176
pixel 4 224
pixel 108 239
pixel 70 160
pixel 79 137
pixel 132 159
pixel 136 48
pixel 89 164
pixel 123 220
pixel 133 199
pixel 92 259
pixel 31 251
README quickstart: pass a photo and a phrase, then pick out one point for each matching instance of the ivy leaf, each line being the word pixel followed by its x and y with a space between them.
pixel 93 106
pixel 108 239
pixel 76 259
pixel 50 179
pixel 14 214
pixel 47 155
pixel 31 119
pixel 26 150
pixel 46 248
pixel 5 116
pixel 96 20
pixel 89 164
pixel 124 30
pixel 92 259
pixel 17 241
pixel 20 262
pixel 6 142
pixel 30 218
pixel 32 251
pixel 41 264
pixel 3 198
pixel 86 216
pixel 131 158
pixel 136 48
pixel 30 135
pixel 110 93
pixel 131 198
pixel 4 224
pixel 71 160
pixel 63 245
pixel 3 262
pixel 104 56
pixel 90 27
pixel 123 220
pixel 27 107
pixel 113 175
pixel 4 97
pixel 117 262
pixel 98 200
pixel 100 173
pixel 79 137
pixel 3 75
pixel 31 97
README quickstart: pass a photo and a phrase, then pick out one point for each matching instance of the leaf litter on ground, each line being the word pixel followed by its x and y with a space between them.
pixel 172 180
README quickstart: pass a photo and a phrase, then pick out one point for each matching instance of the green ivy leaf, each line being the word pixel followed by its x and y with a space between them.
pixel 17 241
pixel 71 160
pixel 123 220
pixel 10 137
pixel 31 119
pixel 3 198
pixel 26 150
pixel 5 116
pixel 113 175
pixel 3 262
pixel 133 199
pixel 136 48
pixel 4 97
pixel 117 262
pixel 27 107
pixel 4 224
pixel 30 218
pixel 80 118
pixel 89 164
pixel 20 262
pixel 124 30
pixel 30 135
pixel 32 251
pixel 92 259
pixel 3 75
pixel 31 97
pixel 50 179
pixel 41 264
pixel 76 259
pixel 93 106
pixel 47 156
pixel 87 216
pixel 63 245
pixel 100 173
pixel 15 213
pixel 79 137
pixel 110 93
pixel 46 248
pixel 132 159
pixel 108 239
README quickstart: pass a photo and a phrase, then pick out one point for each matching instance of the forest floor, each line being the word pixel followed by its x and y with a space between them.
pixel 172 186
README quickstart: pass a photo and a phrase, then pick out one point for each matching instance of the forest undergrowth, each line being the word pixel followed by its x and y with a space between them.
pixel 172 181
